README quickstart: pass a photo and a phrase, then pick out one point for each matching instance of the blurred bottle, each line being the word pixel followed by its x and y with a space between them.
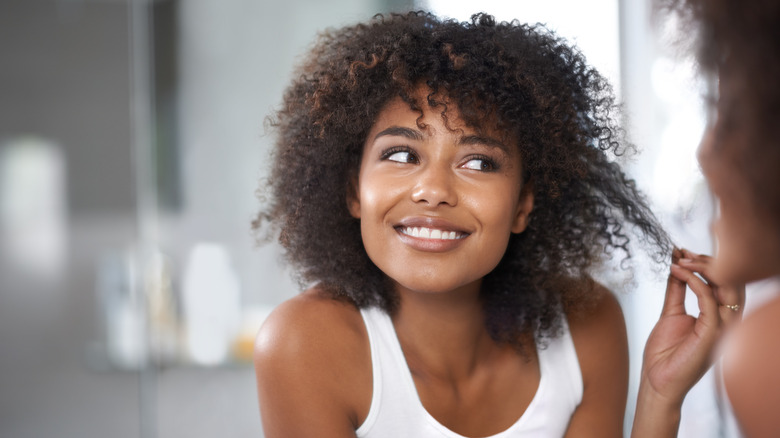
pixel 163 322
pixel 211 303
pixel 33 205
pixel 121 310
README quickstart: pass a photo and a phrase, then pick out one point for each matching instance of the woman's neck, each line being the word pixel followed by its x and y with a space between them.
pixel 443 334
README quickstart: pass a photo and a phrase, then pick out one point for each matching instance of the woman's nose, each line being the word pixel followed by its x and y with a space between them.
pixel 435 186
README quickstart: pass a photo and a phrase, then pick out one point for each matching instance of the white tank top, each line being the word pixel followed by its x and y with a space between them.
pixel 397 412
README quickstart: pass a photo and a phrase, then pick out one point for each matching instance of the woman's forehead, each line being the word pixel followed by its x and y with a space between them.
pixel 424 106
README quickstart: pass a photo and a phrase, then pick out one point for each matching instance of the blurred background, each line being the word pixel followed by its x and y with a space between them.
pixel 132 143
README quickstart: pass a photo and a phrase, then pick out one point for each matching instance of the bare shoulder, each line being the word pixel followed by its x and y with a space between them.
pixel 313 367
pixel 751 368
pixel 599 335
pixel 600 325
pixel 310 321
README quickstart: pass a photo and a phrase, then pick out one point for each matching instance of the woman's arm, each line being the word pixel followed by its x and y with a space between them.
pixel 313 369
pixel 602 348
pixel 680 348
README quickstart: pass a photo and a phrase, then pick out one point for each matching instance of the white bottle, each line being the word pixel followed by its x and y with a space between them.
pixel 211 304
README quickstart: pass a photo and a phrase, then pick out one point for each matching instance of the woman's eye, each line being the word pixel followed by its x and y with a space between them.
pixel 480 164
pixel 402 157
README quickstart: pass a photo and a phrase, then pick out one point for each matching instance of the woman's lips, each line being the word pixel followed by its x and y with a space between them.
pixel 430 234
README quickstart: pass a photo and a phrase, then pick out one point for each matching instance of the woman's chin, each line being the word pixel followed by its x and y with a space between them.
pixel 732 270
pixel 436 286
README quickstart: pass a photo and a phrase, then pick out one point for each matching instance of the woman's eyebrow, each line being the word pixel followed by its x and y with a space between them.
pixel 480 140
pixel 414 134
pixel 401 131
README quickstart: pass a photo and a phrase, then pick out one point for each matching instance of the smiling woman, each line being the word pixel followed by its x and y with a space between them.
pixel 444 190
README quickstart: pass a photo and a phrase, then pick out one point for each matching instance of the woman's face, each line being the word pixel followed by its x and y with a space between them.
pixel 748 240
pixel 437 202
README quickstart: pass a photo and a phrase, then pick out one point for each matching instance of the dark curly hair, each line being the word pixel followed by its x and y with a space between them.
pixel 739 40
pixel 561 112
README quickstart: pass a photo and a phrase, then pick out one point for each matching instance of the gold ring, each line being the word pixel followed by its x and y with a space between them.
pixel 732 307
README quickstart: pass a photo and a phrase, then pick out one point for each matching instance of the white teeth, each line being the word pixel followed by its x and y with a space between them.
pixel 431 233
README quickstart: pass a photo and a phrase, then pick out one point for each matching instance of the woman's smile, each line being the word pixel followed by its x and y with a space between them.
pixel 430 234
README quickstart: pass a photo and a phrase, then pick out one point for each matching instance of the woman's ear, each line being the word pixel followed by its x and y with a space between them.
pixel 524 208
pixel 353 197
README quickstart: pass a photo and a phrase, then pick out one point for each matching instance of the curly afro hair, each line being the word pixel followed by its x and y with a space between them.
pixel 542 93
pixel 740 41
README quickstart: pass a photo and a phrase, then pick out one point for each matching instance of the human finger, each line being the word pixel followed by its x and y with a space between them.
pixel 732 302
pixel 677 254
pixel 674 296
pixel 699 267
pixel 699 263
pixel 708 305
pixel 674 299
pixel 702 264
pixel 731 299
pixel 688 254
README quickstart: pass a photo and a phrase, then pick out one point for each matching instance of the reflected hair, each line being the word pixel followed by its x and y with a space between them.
pixel 740 42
